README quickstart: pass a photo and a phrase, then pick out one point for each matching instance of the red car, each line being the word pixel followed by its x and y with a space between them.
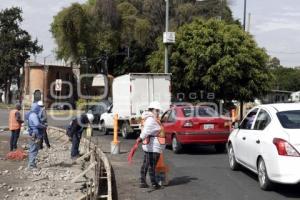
pixel 195 125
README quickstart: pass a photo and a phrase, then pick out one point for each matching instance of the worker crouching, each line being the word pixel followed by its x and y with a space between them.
pixel 75 130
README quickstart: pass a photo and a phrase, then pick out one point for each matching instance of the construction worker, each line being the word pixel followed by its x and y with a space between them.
pixel 35 128
pixel 43 120
pixel 14 123
pixel 75 130
pixel 152 146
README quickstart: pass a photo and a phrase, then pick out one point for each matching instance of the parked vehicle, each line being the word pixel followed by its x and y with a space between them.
pixel 132 93
pixel 267 142
pixel 97 109
pixel 195 125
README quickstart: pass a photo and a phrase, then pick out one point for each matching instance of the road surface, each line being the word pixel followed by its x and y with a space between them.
pixel 197 173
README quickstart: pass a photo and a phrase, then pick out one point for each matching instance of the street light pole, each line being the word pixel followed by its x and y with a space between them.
pixel 166 45
pixel 245 10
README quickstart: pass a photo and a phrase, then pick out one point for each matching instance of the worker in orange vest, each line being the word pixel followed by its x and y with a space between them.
pixel 14 124
pixel 153 144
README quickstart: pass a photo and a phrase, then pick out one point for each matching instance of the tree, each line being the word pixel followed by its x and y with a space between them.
pixel 123 27
pixel 16 46
pixel 217 57
pixel 286 78
pixel 274 62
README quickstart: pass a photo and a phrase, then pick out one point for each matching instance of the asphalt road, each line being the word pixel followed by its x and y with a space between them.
pixel 200 173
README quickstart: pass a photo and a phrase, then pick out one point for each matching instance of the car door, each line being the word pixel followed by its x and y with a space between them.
pixel 109 121
pixel 255 140
pixel 167 120
pixel 242 136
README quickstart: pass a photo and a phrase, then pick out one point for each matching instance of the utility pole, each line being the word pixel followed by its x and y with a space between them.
pixel 244 26
pixel 245 11
pixel 167 30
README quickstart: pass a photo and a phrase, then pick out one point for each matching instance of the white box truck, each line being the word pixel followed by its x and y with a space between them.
pixel 132 93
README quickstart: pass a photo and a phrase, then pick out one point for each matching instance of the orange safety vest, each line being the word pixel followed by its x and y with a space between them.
pixel 13 124
pixel 160 135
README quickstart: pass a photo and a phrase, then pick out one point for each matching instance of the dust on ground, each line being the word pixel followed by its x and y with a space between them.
pixel 52 179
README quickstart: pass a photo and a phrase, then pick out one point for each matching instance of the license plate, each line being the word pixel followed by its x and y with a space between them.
pixel 208 126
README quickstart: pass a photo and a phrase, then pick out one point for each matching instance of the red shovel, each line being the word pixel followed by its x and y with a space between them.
pixel 132 151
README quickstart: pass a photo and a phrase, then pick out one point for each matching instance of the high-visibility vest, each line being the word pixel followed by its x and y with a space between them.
pixel 160 135
pixel 13 124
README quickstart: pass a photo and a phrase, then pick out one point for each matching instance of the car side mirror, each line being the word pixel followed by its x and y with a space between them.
pixel 236 125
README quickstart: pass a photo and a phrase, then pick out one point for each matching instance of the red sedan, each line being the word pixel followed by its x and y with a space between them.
pixel 195 125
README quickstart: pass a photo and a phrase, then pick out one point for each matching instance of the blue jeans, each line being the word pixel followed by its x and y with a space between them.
pixel 14 139
pixel 75 144
pixel 33 152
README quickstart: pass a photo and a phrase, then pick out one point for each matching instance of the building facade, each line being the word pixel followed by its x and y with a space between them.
pixel 39 84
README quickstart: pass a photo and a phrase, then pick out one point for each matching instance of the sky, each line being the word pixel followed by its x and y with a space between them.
pixel 275 24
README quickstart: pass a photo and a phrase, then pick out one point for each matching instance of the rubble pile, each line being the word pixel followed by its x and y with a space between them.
pixel 51 180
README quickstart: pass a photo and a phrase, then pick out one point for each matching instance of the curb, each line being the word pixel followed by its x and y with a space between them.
pixel 103 172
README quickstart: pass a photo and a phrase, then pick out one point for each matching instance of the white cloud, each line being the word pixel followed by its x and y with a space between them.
pixel 275 25
pixel 38 15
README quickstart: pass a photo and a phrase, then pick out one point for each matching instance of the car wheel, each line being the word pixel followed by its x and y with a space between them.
pixel 176 146
pixel 124 130
pixel 220 148
pixel 103 128
pixel 264 181
pixel 231 157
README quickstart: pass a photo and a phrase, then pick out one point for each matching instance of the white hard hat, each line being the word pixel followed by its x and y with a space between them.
pixel 90 117
pixel 40 103
pixel 154 105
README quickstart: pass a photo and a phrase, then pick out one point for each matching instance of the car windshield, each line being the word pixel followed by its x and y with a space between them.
pixel 200 112
pixel 289 119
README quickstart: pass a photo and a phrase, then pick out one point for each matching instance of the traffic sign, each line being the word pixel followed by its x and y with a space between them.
pixel 58 84
pixel 169 37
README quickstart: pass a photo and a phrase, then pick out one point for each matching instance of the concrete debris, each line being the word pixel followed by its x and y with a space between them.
pixel 52 180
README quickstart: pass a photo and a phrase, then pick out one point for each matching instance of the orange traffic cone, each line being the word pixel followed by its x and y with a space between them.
pixel 160 166
pixel 161 171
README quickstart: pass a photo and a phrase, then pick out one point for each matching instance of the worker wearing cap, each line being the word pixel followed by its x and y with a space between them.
pixel 75 130
pixel 43 119
pixel 14 123
pixel 151 145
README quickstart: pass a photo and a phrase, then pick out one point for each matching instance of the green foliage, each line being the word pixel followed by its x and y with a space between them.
pixel 16 46
pixel 286 78
pixel 104 26
pixel 218 57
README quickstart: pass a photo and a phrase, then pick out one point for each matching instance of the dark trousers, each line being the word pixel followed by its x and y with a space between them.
pixel 44 138
pixel 75 145
pixel 14 139
pixel 150 161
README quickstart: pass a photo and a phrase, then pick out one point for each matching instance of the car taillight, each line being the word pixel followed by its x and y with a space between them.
pixel 188 124
pixel 284 148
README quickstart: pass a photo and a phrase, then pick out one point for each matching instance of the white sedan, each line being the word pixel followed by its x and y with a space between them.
pixel 268 143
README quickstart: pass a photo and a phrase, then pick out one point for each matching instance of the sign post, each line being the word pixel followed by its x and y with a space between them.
pixel 58 85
